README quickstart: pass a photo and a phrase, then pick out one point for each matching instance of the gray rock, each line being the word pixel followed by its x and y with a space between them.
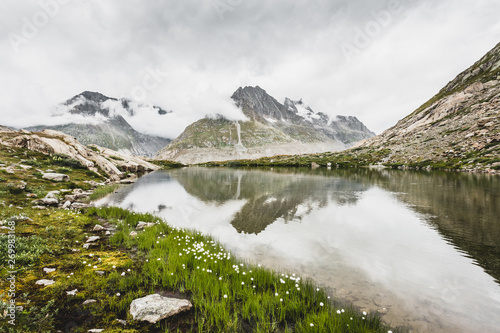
pixel 78 205
pixel 70 197
pixel 121 321
pixel 67 204
pixel 98 227
pixel 52 194
pixel 72 292
pixel 45 202
pixel 45 282
pixel 92 239
pixel 142 225
pixel 49 270
pixel 57 177
pixel 154 308
pixel 50 202
pixel 101 273
pixel 20 185
pixel 89 301
pixel 133 234
pixel 95 330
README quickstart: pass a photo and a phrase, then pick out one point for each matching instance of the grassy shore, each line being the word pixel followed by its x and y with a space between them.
pixel 228 295
pixel 366 157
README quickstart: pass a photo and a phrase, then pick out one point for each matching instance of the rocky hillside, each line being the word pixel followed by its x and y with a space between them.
pixel 459 128
pixel 62 147
pixel 106 127
pixel 272 128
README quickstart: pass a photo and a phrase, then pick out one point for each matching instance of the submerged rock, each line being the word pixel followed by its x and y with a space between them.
pixel 154 308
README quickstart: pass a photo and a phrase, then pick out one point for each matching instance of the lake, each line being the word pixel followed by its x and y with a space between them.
pixel 420 248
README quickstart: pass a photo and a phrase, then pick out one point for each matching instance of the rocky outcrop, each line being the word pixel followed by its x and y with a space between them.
pixel 272 128
pixel 460 124
pixel 100 160
pixel 108 129
pixel 154 308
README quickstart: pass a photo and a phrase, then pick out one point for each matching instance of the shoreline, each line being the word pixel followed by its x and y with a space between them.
pixel 97 256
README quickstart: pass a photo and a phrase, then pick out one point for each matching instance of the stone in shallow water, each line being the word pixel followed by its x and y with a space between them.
pixel 153 308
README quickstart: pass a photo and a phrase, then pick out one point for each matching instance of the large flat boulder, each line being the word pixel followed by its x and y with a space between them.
pixel 57 177
pixel 154 308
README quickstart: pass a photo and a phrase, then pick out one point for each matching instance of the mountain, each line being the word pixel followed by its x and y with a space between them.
pixel 459 128
pixel 272 129
pixel 106 126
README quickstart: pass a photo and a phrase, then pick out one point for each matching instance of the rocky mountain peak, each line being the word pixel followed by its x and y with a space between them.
pixel 257 103
pixel 89 103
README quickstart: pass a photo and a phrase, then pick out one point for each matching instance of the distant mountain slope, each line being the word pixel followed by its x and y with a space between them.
pixel 458 128
pixel 107 128
pixel 273 128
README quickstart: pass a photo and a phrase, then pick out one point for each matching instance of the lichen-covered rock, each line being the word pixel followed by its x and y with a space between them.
pixel 154 308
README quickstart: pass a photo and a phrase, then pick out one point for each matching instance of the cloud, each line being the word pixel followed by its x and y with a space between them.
pixel 290 48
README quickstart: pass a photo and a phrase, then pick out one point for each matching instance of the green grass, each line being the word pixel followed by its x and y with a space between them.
pixel 166 165
pixel 103 191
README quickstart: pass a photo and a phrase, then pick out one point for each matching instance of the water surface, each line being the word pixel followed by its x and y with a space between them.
pixel 421 248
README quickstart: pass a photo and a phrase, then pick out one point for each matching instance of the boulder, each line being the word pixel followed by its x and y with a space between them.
pixel 56 177
pixel 154 308
pixel 67 204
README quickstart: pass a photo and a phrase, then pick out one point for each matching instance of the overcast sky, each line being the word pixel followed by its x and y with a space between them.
pixel 374 59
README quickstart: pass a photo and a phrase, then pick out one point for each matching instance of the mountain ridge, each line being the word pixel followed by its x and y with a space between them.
pixel 107 128
pixel 459 126
pixel 272 128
